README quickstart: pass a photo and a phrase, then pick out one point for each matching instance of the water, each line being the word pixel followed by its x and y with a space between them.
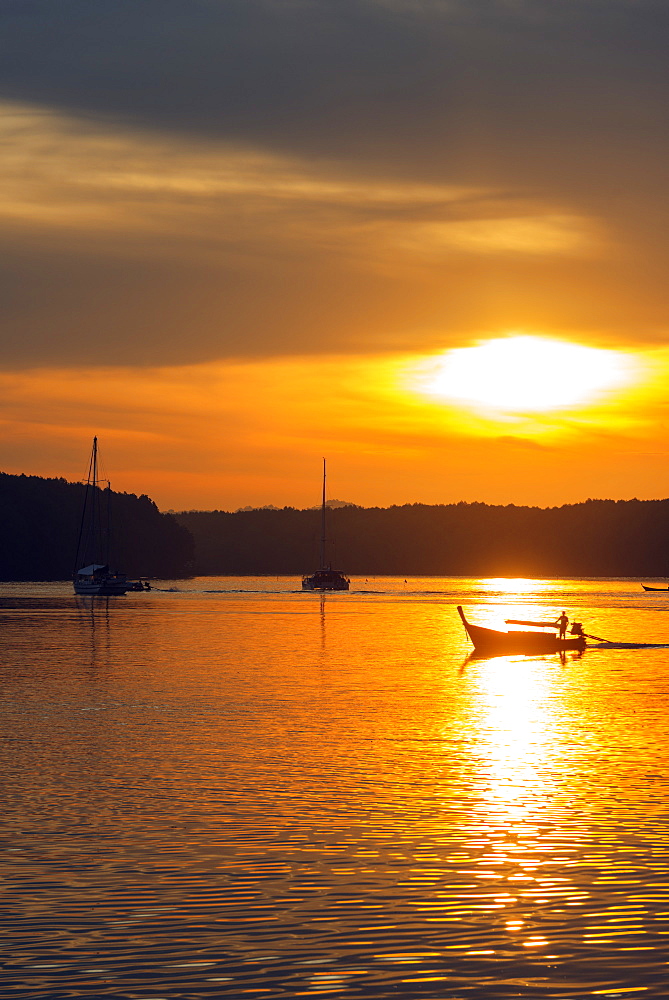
pixel 230 788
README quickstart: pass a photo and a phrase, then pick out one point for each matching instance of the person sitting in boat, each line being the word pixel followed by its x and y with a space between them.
pixel 562 623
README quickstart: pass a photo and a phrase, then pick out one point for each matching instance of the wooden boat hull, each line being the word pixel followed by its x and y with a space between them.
pixel 663 589
pixel 487 640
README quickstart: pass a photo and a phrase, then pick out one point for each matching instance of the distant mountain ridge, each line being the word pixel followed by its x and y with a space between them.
pixel 328 503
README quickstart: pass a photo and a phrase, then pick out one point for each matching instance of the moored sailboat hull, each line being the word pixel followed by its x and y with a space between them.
pixel 326 579
pixel 98 581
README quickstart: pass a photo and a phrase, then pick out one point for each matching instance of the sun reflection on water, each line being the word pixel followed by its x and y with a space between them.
pixel 514 715
pixel 515 733
pixel 514 585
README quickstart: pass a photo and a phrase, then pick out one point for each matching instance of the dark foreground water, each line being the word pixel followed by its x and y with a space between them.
pixel 233 789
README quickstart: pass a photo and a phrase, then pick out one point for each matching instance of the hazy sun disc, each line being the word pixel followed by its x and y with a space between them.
pixel 527 373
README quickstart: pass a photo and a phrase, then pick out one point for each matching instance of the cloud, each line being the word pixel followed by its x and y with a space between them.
pixel 192 181
pixel 352 77
pixel 145 248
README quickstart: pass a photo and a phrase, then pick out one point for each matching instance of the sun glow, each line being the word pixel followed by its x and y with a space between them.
pixel 513 585
pixel 527 373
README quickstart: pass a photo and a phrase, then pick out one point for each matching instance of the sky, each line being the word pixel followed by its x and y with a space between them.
pixel 425 239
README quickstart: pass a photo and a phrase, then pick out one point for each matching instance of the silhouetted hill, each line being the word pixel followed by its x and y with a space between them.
pixel 39 527
pixel 594 538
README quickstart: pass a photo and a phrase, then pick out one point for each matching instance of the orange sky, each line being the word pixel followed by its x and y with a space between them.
pixel 224 435
pixel 257 246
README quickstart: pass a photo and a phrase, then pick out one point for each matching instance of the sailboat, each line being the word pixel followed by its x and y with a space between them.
pixel 95 578
pixel 325 578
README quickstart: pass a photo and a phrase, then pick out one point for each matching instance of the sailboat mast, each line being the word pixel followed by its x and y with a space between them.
pixel 101 533
pixel 95 522
pixel 323 522
pixel 87 533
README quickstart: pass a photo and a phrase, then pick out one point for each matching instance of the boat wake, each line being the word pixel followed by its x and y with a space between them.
pixel 236 590
pixel 628 645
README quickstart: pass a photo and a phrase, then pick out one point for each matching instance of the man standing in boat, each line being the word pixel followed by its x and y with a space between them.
pixel 562 623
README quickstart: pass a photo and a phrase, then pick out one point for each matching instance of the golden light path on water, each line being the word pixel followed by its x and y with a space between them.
pixel 518 755
pixel 532 764
pixel 236 788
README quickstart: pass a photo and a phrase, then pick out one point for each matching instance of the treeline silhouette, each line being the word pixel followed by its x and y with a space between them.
pixel 593 538
pixel 39 528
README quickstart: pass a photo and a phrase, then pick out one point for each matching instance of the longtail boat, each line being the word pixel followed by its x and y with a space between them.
pixel 491 641
pixel 663 589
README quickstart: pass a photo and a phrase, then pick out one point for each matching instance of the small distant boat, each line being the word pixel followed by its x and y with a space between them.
pixel 487 640
pixel 96 579
pixel 663 589
pixel 325 578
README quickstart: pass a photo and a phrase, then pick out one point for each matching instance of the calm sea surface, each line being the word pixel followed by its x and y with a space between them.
pixel 229 788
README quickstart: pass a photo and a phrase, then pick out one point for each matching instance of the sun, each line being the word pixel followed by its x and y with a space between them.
pixel 526 373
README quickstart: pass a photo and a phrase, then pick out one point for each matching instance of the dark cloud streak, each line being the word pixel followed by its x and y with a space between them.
pixel 559 102
pixel 350 79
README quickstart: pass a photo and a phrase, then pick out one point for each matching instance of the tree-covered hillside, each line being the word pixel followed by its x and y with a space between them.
pixel 39 528
pixel 594 538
